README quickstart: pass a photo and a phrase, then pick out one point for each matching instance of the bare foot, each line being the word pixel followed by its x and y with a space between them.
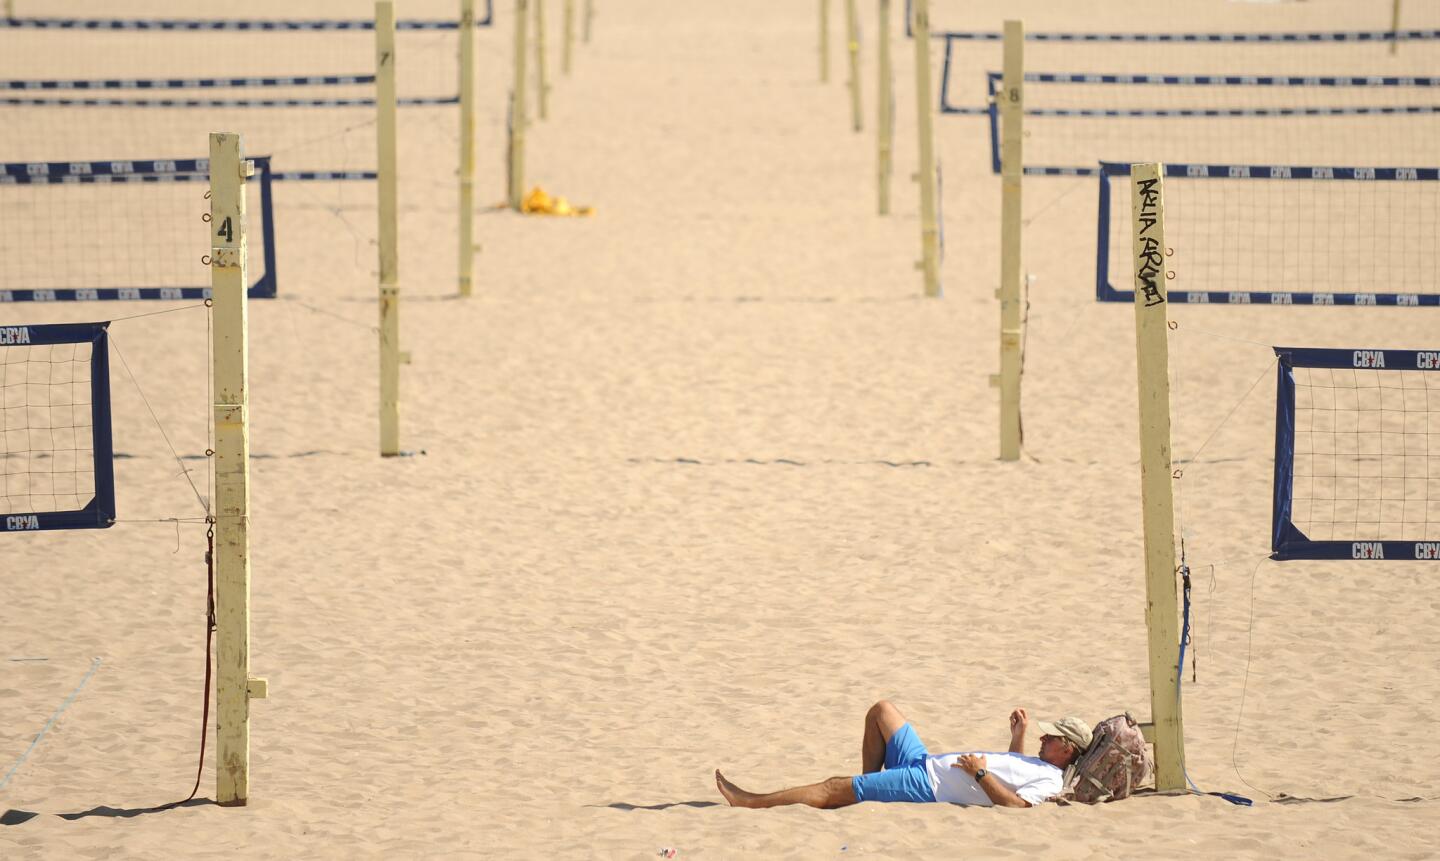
pixel 733 794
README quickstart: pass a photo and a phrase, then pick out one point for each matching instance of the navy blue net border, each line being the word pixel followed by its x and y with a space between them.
pixel 361 102
pixel 187 83
pixel 1310 38
pixel 1107 292
pixel 58 93
pixel 1382 36
pixel 1286 540
pixel 156 171
pixel 261 26
pixel 99 513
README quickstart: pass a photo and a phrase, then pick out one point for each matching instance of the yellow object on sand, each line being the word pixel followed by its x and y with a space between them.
pixel 538 202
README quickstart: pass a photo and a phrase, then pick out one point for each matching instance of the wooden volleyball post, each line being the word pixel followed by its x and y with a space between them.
pixel 230 371
pixel 542 75
pixel 390 355
pixel 1012 172
pixel 1157 495
pixel 929 231
pixel 519 117
pixel 824 41
pixel 852 46
pixel 885 101
pixel 1395 27
pixel 467 146
pixel 569 38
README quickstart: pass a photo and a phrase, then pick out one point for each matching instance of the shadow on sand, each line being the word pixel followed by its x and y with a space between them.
pixel 19 817
pixel 621 805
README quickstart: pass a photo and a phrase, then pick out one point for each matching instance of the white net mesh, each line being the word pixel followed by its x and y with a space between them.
pixel 1367 454
pixel 1288 236
pixel 1080 124
pixel 111 236
pixel 163 109
pixel 306 127
pixel 46 447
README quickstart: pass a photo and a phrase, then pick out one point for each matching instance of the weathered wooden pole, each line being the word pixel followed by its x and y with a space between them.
pixel 467 147
pixel 1156 492
pixel 390 355
pixel 519 117
pixel 542 74
pixel 229 282
pixel 929 227
pixel 1395 27
pixel 569 46
pixel 852 47
pixel 1012 173
pixel 885 114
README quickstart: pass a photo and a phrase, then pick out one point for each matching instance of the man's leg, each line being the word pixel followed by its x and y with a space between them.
pixel 835 792
pixel 881 722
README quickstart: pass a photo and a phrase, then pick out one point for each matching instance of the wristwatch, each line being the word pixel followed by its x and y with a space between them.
pixel 980 775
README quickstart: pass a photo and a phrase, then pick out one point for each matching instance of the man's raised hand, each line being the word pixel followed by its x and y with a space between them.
pixel 1019 723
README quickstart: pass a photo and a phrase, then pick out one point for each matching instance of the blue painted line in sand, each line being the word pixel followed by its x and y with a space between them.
pixel 95 665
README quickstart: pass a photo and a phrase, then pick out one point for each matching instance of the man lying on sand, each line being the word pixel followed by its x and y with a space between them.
pixel 910 773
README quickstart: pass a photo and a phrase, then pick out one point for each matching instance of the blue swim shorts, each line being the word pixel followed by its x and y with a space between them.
pixel 904 777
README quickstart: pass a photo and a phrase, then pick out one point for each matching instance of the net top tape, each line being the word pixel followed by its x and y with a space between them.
pixel 1229 80
pixel 1037 170
pixel 43 171
pixel 105 179
pixel 194 170
pixel 1203 38
pixel 1136 113
pixel 50 333
pixel 62 102
pixel 1386 360
pixel 1270 171
pixel 207 24
pixel 187 83
pixel 323 175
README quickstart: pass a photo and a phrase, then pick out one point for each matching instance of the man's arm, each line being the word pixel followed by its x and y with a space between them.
pixel 1019 723
pixel 1000 794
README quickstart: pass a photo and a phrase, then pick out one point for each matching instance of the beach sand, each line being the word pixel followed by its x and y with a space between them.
pixel 697 480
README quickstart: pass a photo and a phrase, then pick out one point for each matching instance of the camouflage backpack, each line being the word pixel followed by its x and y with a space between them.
pixel 1116 764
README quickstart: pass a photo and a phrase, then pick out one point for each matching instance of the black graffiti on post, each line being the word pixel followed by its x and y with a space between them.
pixel 1150 258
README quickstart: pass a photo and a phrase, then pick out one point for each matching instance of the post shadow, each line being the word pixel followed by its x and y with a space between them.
pixel 623 805
pixel 20 817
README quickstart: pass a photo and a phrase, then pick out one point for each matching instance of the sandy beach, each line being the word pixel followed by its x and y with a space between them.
pixel 695 481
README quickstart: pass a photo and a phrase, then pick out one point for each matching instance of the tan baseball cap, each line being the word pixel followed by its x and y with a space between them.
pixel 1072 729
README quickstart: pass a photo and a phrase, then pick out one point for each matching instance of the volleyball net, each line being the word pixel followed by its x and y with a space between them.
pixel 484 18
pixel 968 57
pixel 1284 235
pixel 56 457
pixel 1324 97
pixel 305 96
pixel 1357 454
pixel 302 91
pixel 1073 120
pixel 120 229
